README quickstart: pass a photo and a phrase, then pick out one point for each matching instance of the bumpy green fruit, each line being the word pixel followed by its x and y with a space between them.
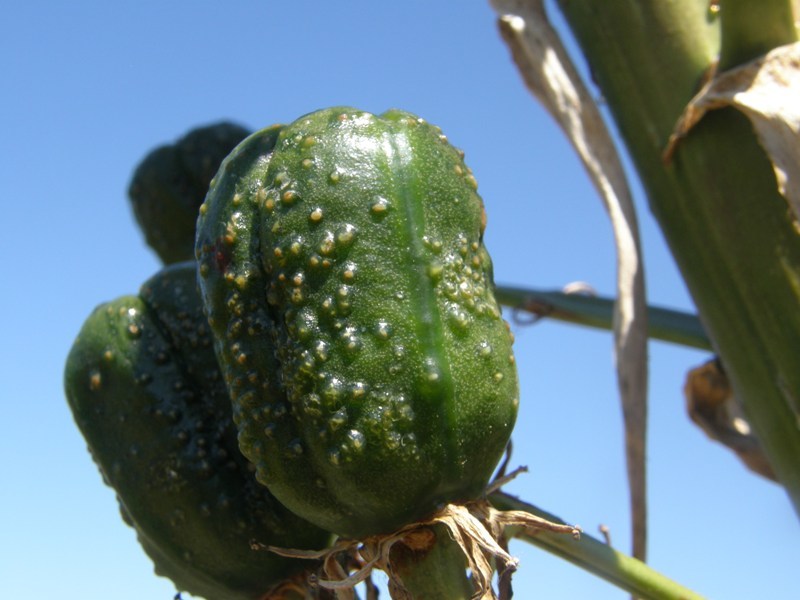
pixel 145 390
pixel 170 183
pixel 343 269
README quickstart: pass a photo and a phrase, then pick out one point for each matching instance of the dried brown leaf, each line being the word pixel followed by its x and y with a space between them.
pixel 713 407
pixel 550 75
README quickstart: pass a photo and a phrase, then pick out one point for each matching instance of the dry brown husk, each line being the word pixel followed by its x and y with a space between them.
pixel 477 527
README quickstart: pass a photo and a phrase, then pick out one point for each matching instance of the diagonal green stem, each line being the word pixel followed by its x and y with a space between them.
pixel 597 557
pixel 594 311
pixel 731 232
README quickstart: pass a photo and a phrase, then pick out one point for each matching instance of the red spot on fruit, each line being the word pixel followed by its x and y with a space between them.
pixel 222 255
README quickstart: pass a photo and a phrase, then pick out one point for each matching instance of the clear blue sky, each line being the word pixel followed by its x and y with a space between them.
pixel 90 87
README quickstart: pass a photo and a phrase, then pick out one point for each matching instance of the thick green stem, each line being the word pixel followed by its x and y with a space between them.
pixel 730 231
pixel 437 572
pixel 595 311
pixel 750 29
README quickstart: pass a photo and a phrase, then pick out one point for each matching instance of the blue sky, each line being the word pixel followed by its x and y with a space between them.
pixel 90 87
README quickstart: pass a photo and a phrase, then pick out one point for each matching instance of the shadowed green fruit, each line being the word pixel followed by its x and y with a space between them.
pixel 146 392
pixel 342 265
pixel 170 183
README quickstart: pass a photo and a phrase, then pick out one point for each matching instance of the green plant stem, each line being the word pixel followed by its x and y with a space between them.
pixel 731 233
pixel 750 29
pixel 438 573
pixel 594 311
pixel 597 557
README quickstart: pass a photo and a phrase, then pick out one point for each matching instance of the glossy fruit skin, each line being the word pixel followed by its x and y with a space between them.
pixel 146 392
pixel 170 183
pixel 342 266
